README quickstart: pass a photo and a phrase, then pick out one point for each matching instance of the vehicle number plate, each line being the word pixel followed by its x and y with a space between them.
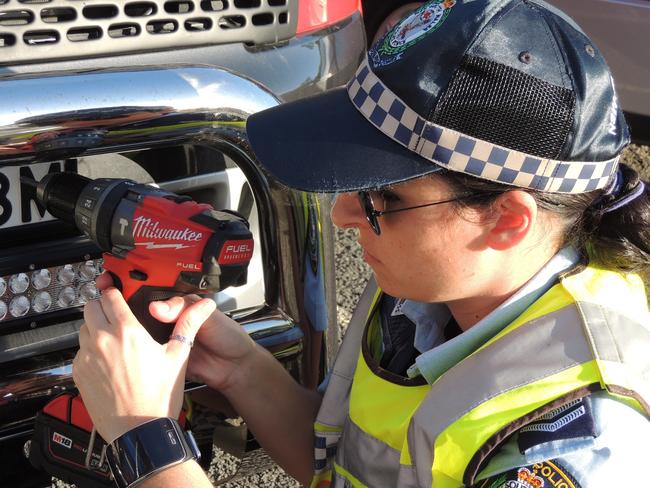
pixel 18 205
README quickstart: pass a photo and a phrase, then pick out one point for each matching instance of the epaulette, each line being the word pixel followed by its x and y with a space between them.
pixel 570 421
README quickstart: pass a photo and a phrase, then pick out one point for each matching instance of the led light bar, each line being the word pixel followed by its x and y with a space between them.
pixel 35 292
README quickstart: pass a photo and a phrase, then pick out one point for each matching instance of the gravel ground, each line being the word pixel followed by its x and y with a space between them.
pixel 351 275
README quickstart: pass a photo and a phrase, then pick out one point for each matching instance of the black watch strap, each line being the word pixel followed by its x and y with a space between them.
pixel 148 449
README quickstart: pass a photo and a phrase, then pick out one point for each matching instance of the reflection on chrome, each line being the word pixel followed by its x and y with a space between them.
pixel 74 113
pixel 43 379
pixel 79 114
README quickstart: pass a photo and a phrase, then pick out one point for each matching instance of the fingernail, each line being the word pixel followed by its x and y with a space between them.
pixel 163 307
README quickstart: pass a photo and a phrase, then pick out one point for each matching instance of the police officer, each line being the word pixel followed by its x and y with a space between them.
pixel 505 342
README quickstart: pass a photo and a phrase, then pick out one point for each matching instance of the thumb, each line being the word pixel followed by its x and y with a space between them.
pixel 188 324
pixel 169 311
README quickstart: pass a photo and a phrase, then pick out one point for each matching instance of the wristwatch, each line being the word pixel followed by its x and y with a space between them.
pixel 148 449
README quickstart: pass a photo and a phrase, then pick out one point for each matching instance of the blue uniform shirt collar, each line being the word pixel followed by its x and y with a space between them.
pixel 430 320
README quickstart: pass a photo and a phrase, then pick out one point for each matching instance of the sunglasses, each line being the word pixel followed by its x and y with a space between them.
pixel 372 214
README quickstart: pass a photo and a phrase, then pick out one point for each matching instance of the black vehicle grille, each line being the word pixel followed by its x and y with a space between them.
pixel 37 30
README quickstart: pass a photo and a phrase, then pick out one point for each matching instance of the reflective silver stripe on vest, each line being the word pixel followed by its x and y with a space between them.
pixel 406 479
pixel 334 410
pixel 621 339
pixel 339 481
pixel 335 405
pixel 356 448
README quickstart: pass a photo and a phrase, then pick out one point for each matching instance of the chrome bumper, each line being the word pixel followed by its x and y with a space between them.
pixel 80 114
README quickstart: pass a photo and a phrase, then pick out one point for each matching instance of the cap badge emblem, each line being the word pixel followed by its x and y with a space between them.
pixel 410 30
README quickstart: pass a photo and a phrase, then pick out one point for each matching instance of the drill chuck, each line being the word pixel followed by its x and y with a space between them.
pixel 59 193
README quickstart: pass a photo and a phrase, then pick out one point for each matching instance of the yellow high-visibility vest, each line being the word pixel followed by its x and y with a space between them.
pixel 589 332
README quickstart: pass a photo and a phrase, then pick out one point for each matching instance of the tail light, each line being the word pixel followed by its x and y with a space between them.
pixel 316 14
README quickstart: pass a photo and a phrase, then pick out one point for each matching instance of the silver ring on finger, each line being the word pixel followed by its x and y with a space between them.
pixel 181 338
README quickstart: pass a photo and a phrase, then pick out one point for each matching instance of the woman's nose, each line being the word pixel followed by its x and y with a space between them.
pixel 347 212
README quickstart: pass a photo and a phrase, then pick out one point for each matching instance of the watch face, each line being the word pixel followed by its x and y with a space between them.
pixel 158 443
pixel 150 447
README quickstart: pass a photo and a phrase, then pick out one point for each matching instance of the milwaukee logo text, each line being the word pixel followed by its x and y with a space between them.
pixel 147 228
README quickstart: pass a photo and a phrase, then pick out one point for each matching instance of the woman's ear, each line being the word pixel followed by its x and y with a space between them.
pixel 515 214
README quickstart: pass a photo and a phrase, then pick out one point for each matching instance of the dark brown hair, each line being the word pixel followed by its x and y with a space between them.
pixel 617 240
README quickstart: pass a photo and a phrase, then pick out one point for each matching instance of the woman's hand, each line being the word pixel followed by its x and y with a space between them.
pixel 222 348
pixel 123 375
pixel 274 406
pixel 126 378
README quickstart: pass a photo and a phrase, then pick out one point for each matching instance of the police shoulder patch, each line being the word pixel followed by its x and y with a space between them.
pixel 546 474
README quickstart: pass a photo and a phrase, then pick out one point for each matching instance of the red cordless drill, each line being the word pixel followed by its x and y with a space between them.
pixel 156 245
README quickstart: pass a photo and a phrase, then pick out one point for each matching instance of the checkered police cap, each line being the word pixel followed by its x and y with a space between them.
pixel 511 91
pixel 456 151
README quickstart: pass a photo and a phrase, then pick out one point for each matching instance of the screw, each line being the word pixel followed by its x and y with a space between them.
pixel 33 325
pixel 525 57
pixel 590 50
pixel 27 448
pixel 32 267
pixel 86 257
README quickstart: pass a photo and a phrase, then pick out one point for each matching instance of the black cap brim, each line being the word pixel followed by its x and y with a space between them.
pixel 323 144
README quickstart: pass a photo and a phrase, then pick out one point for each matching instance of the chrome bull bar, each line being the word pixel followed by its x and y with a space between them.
pixel 68 115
